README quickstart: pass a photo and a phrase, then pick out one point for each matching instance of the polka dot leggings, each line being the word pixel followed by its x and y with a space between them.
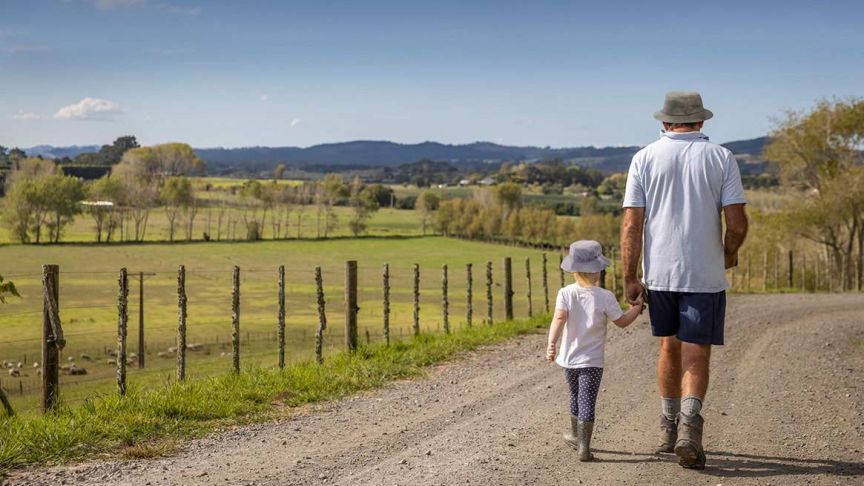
pixel 584 384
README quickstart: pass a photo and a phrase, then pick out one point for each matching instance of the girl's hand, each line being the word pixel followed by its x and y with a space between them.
pixel 551 352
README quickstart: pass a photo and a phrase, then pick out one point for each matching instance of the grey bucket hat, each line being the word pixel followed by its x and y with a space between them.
pixel 683 107
pixel 585 256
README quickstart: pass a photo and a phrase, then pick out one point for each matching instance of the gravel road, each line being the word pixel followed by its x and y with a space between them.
pixel 784 407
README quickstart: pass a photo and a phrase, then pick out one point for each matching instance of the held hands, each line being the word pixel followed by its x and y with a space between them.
pixel 634 291
pixel 551 352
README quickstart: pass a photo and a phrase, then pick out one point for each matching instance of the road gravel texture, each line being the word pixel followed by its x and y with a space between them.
pixel 784 407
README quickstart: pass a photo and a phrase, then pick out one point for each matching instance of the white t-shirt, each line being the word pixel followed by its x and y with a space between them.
pixel 683 181
pixel 584 337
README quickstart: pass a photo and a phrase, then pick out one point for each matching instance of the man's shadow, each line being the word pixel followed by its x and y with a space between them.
pixel 731 465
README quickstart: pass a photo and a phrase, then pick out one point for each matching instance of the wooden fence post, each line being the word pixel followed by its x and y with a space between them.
pixel 351 305
pixel 280 330
pixel 387 304
pixel 561 270
pixel 4 399
pixel 508 289
pixel 322 317
pixel 235 319
pixel 791 272
pixel 141 348
pixel 52 336
pixel 122 325
pixel 545 283
pixel 489 301
pixel 416 300
pixel 181 323
pixel 469 290
pixel 445 303
pixel 528 278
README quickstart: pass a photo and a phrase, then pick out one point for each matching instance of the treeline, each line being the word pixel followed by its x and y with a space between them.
pixel 498 214
pixel 41 201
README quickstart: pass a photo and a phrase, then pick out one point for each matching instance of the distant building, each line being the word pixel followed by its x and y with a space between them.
pixel 488 181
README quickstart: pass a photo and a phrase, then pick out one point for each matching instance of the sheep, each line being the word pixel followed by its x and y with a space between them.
pixel 14 373
pixel 86 357
pixel 110 362
pixel 163 354
pixel 35 364
pixel 69 359
pixel 194 346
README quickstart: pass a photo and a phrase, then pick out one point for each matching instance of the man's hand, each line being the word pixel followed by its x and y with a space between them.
pixel 731 259
pixel 634 291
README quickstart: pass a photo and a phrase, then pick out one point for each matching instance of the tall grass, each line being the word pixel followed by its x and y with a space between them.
pixel 146 422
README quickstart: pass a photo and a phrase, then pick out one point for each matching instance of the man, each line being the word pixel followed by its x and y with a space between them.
pixel 676 190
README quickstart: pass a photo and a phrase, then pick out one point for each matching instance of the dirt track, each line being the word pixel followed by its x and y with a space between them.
pixel 785 406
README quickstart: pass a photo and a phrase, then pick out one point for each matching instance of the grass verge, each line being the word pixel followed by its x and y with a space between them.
pixel 147 422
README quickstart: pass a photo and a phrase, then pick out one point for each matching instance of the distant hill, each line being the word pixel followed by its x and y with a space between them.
pixel 367 153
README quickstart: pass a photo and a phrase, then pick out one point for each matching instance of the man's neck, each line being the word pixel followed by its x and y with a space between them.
pixel 683 130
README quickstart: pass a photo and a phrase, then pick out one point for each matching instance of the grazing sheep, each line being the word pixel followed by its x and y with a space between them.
pixel 112 353
pixel 173 349
pixel 19 365
pixel 133 355
pixel 86 357
pixel 110 362
pixel 74 370
pixel 35 364
pixel 163 354
pixel 14 373
pixel 194 347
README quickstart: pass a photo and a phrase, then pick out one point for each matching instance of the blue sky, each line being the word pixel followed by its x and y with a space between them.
pixel 232 73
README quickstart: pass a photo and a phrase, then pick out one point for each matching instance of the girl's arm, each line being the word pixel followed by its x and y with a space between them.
pixel 630 315
pixel 555 331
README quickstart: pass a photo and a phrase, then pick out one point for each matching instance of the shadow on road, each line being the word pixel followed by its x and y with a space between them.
pixel 731 465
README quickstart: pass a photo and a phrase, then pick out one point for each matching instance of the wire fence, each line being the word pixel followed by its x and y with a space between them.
pixel 88 306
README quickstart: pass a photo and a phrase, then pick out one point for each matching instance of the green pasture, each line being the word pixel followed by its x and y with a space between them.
pixel 88 300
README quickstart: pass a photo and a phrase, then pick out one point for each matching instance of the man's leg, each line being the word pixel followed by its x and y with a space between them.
pixel 702 321
pixel 669 383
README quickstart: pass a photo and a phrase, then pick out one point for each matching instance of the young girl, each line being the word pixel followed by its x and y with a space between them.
pixel 581 310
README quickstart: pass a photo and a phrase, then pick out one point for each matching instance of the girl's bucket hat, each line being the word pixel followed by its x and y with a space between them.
pixel 585 256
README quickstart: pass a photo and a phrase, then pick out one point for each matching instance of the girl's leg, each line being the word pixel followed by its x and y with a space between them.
pixel 572 377
pixel 588 386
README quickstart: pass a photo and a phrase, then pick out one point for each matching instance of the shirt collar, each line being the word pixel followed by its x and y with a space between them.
pixel 685 135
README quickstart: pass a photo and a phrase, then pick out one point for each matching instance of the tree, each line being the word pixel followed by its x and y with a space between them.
pixel 105 190
pixel 7 288
pixel 613 186
pixel 427 203
pixel 363 203
pixel 588 206
pixel 509 196
pixel 279 171
pixel 819 152
pixel 177 197
pixel 62 196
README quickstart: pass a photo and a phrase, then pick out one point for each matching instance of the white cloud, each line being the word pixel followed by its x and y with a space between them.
pixel 264 97
pixel 90 109
pixel 152 4
pixel 26 115
pixel 296 122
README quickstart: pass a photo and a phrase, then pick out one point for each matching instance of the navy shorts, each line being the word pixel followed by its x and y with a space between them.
pixel 692 317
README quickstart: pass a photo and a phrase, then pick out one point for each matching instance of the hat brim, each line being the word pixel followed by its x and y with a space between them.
pixel 691 118
pixel 593 266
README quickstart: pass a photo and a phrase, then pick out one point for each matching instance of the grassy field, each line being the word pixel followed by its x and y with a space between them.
pixel 88 278
pixel 148 422
pixel 385 222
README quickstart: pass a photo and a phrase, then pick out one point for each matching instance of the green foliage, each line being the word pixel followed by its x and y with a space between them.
pixel 192 408
pixel 7 288
pixel 820 152
pixel 425 205
pixel 509 195
pixel 613 186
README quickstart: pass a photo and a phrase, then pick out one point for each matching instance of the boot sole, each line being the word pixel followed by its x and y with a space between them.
pixel 689 457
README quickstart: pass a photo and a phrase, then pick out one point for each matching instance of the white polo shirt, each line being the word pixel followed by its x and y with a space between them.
pixel 583 339
pixel 683 181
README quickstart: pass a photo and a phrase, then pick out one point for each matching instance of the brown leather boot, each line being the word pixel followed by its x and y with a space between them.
pixel 668 435
pixel 688 448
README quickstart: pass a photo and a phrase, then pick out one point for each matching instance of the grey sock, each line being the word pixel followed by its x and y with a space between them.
pixel 691 405
pixel 671 407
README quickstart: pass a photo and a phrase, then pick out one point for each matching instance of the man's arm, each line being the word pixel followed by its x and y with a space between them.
pixel 736 232
pixel 631 249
